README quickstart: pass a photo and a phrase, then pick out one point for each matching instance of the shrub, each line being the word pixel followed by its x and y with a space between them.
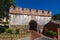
pixel 52 33
pixel 17 31
pixel 2 29
pixel 5 23
pixel 8 31
pixel 5 26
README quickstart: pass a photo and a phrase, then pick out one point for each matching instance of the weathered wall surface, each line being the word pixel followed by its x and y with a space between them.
pixel 27 11
pixel 12 36
pixel 20 17
pixel 25 19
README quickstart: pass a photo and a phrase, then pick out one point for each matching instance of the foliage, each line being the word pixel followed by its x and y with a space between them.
pixel 52 33
pixel 4 7
pixel 5 23
pixel 2 28
pixel 8 31
pixel 56 17
pixel 17 31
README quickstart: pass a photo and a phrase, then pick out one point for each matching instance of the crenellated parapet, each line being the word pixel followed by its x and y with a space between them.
pixel 27 11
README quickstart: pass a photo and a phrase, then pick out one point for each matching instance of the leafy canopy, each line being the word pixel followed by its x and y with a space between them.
pixel 4 6
pixel 56 17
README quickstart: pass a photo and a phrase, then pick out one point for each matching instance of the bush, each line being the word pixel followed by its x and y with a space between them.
pixel 17 31
pixel 8 31
pixel 2 30
pixel 52 33
pixel 5 23
pixel 5 26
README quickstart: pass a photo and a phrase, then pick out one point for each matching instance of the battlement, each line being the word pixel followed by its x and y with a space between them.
pixel 27 11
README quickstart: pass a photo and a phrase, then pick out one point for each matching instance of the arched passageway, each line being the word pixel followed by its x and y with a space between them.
pixel 33 25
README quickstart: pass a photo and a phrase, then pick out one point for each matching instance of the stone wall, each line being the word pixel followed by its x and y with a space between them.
pixel 19 16
pixel 12 36
pixel 19 10
pixel 25 28
pixel 25 19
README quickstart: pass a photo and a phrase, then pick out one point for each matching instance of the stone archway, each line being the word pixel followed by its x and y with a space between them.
pixel 33 25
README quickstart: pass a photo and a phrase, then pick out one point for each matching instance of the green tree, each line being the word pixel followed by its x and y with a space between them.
pixel 56 17
pixel 4 7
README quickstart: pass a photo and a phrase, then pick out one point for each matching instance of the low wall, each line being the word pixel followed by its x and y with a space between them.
pixel 25 28
pixel 18 26
pixel 12 36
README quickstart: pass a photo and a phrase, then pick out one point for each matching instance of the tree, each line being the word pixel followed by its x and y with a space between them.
pixel 56 17
pixel 4 7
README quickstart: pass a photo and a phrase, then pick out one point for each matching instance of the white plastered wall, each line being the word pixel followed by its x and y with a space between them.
pixel 25 19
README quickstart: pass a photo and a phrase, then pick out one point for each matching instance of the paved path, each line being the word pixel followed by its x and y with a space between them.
pixel 41 38
pixel 26 38
pixel 34 34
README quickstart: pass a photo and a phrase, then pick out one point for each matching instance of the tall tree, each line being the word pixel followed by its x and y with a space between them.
pixel 4 7
pixel 56 17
